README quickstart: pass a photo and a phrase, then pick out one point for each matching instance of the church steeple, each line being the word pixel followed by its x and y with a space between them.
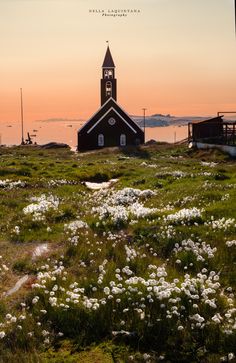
pixel 108 61
pixel 108 81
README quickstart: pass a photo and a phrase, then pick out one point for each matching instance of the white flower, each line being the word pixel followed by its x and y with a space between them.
pixel 41 206
pixel 35 300
pixel 217 318
pixel 184 215
pixel 230 243
pixel 2 334
pixel 106 290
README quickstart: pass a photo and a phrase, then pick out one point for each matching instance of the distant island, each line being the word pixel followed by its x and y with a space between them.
pixel 159 120
pixel 155 120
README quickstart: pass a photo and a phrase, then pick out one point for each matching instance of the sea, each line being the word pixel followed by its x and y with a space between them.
pixel 43 132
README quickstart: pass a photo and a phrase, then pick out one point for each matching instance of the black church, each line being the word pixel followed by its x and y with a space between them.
pixel 110 125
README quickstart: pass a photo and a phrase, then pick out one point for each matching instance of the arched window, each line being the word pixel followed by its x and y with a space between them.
pixel 108 88
pixel 106 73
pixel 100 140
pixel 122 140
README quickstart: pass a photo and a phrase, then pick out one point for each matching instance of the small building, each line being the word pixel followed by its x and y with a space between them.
pixel 207 130
pixel 110 125
pixel 214 133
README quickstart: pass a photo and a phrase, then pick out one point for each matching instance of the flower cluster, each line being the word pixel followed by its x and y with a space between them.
pixel 222 223
pixel 184 215
pixel 58 182
pixel 200 249
pixel 9 184
pixel 131 253
pixel 210 164
pixel 167 231
pixel 153 166
pixel 177 174
pixel 16 323
pixel 40 206
pixel 225 197
pixel 230 243
pixel 132 293
pixel 72 229
pixel 120 205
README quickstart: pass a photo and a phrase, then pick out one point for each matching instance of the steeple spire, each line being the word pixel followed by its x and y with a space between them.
pixel 108 61
pixel 108 81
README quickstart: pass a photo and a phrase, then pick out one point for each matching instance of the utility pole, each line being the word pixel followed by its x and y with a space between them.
pixel 144 121
pixel 22 118
pixel 235 16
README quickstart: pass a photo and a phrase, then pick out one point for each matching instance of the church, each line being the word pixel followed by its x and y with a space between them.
pixel 110 125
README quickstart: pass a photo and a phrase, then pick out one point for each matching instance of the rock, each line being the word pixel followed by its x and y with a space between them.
pixel 151 142
pixel 103 185
pixel 40 250
pixel 17 286
pixel 54 145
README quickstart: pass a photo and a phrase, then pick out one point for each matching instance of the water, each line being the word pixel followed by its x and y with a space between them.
pixel 66 132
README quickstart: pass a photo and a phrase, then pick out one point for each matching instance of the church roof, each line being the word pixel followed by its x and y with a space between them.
pixel 109 105
pixel 108 61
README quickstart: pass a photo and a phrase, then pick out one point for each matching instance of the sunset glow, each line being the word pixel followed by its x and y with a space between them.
pixel 174 57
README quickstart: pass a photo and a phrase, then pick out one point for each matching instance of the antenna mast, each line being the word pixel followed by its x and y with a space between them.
pixel 235 16
pixel 144 121
pixel 22 118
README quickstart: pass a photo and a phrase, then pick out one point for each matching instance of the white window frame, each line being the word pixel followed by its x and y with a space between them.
pixel 122 140
pixel 100 140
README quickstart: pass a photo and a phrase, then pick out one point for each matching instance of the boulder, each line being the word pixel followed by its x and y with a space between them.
pixel 54 145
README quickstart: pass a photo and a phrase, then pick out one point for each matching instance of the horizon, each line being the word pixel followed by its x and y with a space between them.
pixel 181 61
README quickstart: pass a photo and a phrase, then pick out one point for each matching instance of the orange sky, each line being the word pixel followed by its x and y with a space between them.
pixel 176 57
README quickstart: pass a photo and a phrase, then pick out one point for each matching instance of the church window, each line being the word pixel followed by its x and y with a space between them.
pixel 100 140
pixel 111 121
pixel 108 73
pixel 108 88
pixel 122 140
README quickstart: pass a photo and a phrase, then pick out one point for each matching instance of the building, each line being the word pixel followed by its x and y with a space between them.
pixel 207 130
pixel 110 125
pixel 214 133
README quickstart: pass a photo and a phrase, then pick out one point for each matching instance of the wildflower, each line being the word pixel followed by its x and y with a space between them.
pixel 35 300
pixel 2 334
pixel 184 215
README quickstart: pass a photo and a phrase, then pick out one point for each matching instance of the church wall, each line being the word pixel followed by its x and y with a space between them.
pixel 111 134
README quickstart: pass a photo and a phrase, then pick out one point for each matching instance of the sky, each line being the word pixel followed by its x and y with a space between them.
pixel 173 57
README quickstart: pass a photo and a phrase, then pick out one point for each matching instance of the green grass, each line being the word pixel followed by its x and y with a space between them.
pixel 88 334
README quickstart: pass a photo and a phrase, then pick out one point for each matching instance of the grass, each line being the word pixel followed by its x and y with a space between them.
pixel 180 179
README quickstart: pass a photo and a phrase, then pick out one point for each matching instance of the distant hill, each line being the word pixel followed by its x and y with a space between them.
pixel 167 120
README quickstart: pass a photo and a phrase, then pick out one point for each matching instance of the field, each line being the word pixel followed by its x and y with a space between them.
pixel 143 270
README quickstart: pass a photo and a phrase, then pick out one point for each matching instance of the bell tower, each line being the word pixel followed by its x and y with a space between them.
pixel 108 81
